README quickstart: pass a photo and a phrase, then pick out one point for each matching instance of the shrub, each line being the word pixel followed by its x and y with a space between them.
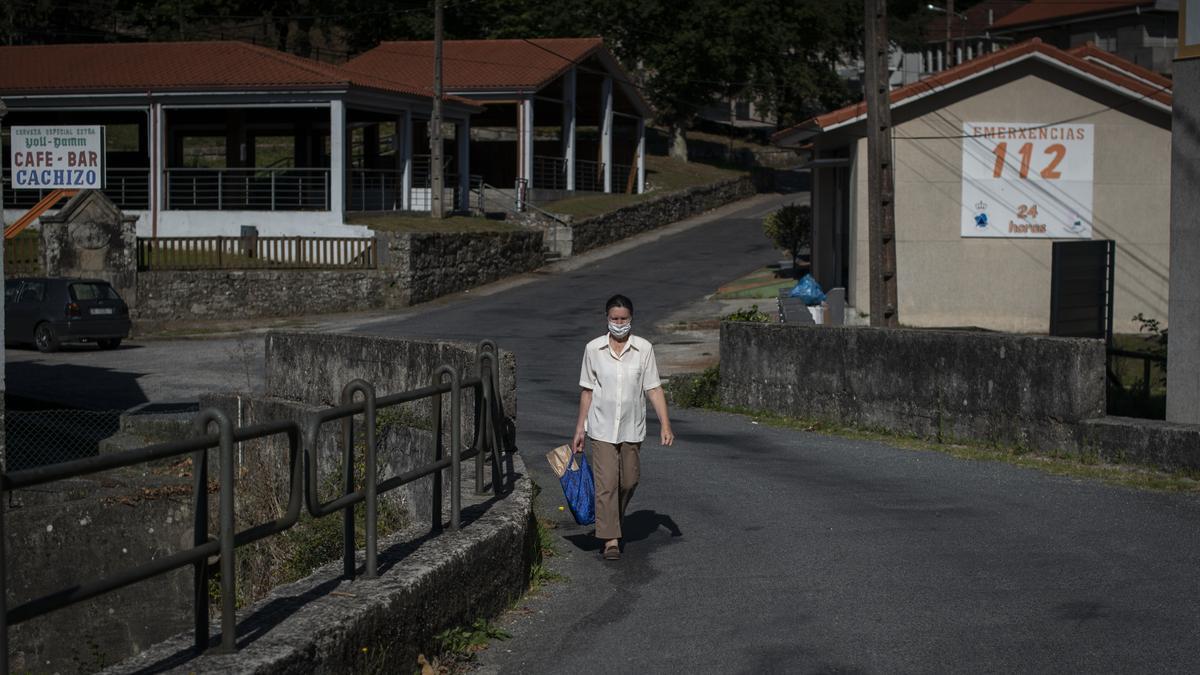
pixel 700 390
pixel 790 228
pixel 752 314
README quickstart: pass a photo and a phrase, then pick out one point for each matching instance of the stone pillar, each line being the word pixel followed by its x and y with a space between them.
pixel 568 130
pixel 606 131
pixel 405 158
pixel 1183 309
pixel 90 237
pixel 462 134
pixel 337 158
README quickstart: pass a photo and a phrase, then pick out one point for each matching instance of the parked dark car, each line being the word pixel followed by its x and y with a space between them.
pixel 50 311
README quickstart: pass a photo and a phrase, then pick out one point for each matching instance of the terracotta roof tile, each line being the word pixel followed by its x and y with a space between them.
pixel 1042 11
pixel 947 78
pixel 477 64
pixel 173 66
pixel 1091 52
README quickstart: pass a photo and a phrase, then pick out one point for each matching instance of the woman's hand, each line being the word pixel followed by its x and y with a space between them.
pixel 577 443
pixel 667 437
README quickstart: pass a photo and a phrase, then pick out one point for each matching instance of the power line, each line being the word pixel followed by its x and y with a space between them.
pixel 1161 89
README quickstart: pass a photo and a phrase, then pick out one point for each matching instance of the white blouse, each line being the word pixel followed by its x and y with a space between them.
pixel 618 383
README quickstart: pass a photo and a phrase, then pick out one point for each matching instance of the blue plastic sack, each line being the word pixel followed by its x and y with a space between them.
pixel 579 489
pixel 808 290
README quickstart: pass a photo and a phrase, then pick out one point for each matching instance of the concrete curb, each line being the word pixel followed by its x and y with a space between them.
pixel 324 624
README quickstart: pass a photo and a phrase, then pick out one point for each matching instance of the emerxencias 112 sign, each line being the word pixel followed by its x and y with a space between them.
pixel 1027 180
pixel 57 158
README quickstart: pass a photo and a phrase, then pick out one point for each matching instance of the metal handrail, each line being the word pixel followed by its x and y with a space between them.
pixel 489 437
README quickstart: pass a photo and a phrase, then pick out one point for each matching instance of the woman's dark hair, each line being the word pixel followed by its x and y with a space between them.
pixel 618 301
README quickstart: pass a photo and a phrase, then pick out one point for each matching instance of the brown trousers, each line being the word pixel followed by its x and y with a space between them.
pixel 615 470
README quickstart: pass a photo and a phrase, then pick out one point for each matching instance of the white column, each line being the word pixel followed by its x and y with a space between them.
pixel 641 155
pixel 337 158
pixel 406 161
pixel 462 133
pixel 158 168
pixel 606 98
pixel 569 125
pixel 527 140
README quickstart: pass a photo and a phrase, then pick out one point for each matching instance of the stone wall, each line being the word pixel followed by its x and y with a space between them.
pixel 430 265
pixel 242 294
pixel 1011 389
pixel 656 212
pixel 412 268
pixel 84 530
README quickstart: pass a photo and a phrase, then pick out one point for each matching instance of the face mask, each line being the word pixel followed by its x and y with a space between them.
pixel 618 330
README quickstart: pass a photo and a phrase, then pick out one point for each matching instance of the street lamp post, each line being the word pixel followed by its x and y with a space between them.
pixel 948 10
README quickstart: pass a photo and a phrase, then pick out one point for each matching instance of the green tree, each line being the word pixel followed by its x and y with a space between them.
pixel 790 229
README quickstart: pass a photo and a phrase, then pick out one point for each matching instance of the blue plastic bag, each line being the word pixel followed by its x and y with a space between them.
pixel 579 489
pixel 808 290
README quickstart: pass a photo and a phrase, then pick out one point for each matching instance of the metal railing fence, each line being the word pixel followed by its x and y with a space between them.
pixel 255 189
pixel 589 175
pixel 127 188
pixel 549 173
pixel 623 178
pixel 489 442
pixel 224 253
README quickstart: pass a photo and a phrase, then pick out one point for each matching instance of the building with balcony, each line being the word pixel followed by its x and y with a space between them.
pixel 560 114
pixel 205 137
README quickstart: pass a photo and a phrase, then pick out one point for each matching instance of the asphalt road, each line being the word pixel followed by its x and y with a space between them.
pixel 755 549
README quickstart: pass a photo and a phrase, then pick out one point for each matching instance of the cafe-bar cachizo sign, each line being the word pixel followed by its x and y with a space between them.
pixel 1027 180
pixel 57 157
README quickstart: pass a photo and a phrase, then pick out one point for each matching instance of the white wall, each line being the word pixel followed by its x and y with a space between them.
pixel 1004 284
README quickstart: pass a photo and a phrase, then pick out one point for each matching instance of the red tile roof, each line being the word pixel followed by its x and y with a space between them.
pixel 477 64
pixel 948 78
pixel 173 66
pixel 1091 52
pixel 1045 11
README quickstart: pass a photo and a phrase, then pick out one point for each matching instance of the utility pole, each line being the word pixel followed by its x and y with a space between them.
pixel 881 212
pixel 436 179
pixel 949 33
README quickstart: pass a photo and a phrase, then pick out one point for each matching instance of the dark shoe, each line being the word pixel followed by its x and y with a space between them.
pixel 612 552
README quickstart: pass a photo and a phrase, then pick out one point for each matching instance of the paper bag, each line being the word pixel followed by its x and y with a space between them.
pixel 560 458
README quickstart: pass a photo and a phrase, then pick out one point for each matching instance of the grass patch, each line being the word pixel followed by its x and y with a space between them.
pixel 407 223
pixel 1085 467
pixel 701 391
pixel 761 284
pixel 663 175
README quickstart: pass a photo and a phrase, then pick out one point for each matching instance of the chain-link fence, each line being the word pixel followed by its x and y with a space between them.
pixel 37 438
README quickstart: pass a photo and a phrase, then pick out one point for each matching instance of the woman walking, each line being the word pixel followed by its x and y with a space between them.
pixel 619 373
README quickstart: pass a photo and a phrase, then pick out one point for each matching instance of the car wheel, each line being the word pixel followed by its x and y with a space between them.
pixel 109 343
pixel 44 338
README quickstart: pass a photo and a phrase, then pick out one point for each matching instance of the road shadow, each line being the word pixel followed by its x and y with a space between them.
pixel 637 526
pixel 73 385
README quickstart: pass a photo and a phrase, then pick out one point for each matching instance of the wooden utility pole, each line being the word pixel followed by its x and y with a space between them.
pixel 436 179
pixel 949 33
pixel 880 184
